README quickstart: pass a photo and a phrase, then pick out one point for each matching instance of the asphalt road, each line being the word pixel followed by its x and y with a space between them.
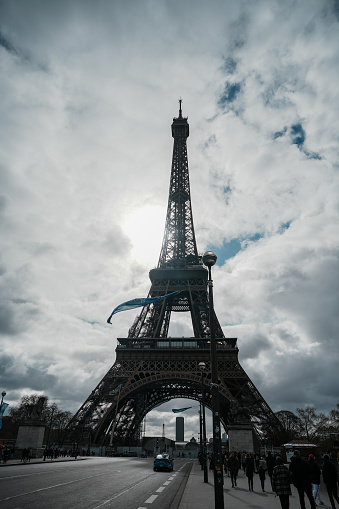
pixel 122 483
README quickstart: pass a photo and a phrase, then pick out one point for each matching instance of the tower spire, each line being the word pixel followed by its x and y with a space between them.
pixel 179 244
pixel 179 265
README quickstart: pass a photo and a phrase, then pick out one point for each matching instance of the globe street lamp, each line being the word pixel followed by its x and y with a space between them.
pixel 3 394
pixel 209 260
pixel 202 367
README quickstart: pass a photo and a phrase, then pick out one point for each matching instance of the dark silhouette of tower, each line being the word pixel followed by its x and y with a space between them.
pixel 179 429
pixel 152 368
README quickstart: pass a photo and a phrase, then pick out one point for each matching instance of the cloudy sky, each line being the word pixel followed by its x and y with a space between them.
pixel 88 91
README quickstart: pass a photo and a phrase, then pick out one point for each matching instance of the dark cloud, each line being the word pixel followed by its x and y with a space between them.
pixel 8 320
pixel 229 65
pixel 254 346
pixel 298 134
pixel 230 93
pixel 284 226
pixel 292 381
pixel 312 155
pixel 3 204
pixel 17 376
pixel 279 134
pixel 5 43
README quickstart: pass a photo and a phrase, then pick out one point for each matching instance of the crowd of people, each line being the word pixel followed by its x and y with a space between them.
pixel 304 474
pixel 5 453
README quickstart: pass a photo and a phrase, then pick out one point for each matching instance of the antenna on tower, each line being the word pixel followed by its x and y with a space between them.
pixel 163 431
pixel 180 111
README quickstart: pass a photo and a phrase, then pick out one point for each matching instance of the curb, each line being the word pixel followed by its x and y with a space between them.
pixel 177 499
pixel 38 462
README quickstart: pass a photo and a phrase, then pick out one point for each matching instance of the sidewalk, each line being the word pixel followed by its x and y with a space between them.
pixel 200 495
pixel 40 460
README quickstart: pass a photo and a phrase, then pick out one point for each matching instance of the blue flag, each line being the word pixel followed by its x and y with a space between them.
pixel 2 411
pixel 136 303
pixel 177 410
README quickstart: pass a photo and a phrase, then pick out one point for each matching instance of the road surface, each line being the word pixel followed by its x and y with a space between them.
pixel 93 483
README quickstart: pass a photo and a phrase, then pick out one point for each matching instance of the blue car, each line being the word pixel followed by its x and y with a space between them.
pixel 163 462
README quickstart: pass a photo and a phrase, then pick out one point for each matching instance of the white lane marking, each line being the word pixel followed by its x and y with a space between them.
pixel 45 473
pixel 14 477
pixel 171 478
pixel 167 483
pixel 161 489
pixel 119 494
pixel 49 487
pixel 151 499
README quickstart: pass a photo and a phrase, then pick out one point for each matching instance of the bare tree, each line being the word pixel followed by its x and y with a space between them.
pixel 334 416
pixel 52 416
pixel 60 422
pixel 23 412
pixel 291 423
pixel 312 422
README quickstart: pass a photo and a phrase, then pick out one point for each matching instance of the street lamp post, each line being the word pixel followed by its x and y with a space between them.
pixel 201 443
pixel 209 260
pixel 202 367
pixel 3 394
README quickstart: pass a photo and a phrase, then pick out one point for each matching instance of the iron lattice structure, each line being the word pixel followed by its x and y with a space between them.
pixel 150 367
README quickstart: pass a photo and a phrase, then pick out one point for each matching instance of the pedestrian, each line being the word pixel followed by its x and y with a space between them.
pixel 261 471
pixel 227 472
pixel 257 462
pixel 301 477
pixel 243 460
pixel 281 480
pixel 249 470
pixel 315 478
pixel 233 467
pixel 330 478
pixel 270 461
pixel 24 454
pixel 6 454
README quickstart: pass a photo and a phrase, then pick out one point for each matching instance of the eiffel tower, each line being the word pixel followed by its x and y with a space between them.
pixel 151 367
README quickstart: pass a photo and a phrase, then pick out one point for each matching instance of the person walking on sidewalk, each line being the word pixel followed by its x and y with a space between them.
pixel 330 477
pixel 315 478
pixel 301 477
pixel 243 460
pixel 261 471
pixel 233 467
pixel 270 461
pixel 249 470
pixel 281 480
